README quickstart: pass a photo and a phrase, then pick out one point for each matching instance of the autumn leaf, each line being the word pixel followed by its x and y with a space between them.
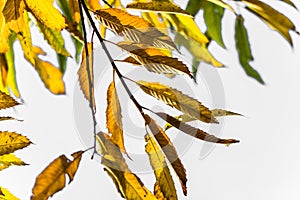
pixel 6 195
pixel 130 60
pixel 8 160
pixel 158 6
pixel 7 101
pixel 3 70
pixel 274 19
pixel 46 13
pixel 133 28
pixel 169 151
pixel 114 117
pixel 161 170
pixel 244 50
pixel 11 141
pixel 4 31
pixel 155 60
pixel 194 132
pixel 8 118
pixel 289 3
pixel 127 183
pixel 93 4
pixel 86 79
pixel 178 100
pixel 53 178
pixel 75 11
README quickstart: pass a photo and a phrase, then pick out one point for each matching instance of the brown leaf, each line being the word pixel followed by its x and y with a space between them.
pixel 195 132
pixel 155 60
pixel 178 100
pixel 169 150
pixel 86 86
pixel 10 142
pixel 133 28
pixel 52 179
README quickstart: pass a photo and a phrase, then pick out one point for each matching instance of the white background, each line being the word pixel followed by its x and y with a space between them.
pixel 264 165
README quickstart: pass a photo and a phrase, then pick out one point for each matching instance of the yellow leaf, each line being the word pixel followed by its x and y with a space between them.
pixel 158 6
pixel 8 160
pixel 155 60
pixel 7 101
pixel 169 151
pixel 221 113
pixel 186 26
pixel 4 31
pixel 272 17
pixel 86 86
pixel 161 170
pixel 133 28
pixel 222 4
pixel 127 183
pixel 194 132
pixel 3 70
pixel 13 13
pixel 75 12
pixel 53 178
pixel 6 195
pixel 198 50
pixel 50 75
pixel 45 12
pixel 10 142
pixel 178 100
pixel 114 117
pixel 93 4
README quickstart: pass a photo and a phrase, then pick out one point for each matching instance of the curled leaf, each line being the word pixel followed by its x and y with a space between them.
pixel 53 178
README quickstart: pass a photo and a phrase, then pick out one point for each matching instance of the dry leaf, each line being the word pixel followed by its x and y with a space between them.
pixel 8 160
pixel 53 178
pixel 178 100
pixel 169 150
pixel 7 101
pixel 10 142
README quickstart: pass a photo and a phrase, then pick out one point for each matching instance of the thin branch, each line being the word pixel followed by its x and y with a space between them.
pixel 107 3
pixel 139 107
pixel 89 75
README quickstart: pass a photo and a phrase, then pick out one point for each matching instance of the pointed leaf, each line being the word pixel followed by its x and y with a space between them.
pixel 114 117
pixel 46 13
pixel 178 100
pixel 8 118
pixel 6 195
pixel 164 179
pixel 244 50
pixel 289 2
pixel 274 19
pixel 130 60
pixel 53 178
pixel 158 6
pixel 8 160
pixel 221 113
pixel 194 132
pixel 86 74
pixel 7 101
pixel 54 39
pixel 10 142
pixel 194 6
pixel 13 13
pixel 213 15
pixel 4 31
pixel 133 28
pixel 3 71
pixel 127 183
pixel 75 12
pixel 155 60
pixel 169 151
pixel 222 4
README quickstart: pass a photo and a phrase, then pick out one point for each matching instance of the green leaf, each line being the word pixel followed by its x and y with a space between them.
pixel 244 50
pixel 194 6
pixel 54 39
pixel 62 62
pixel 213 17
pixel 78 49
pixel 65 8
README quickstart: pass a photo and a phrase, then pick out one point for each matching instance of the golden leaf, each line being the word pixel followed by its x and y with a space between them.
pixel 3 70
pixel 169 151
pixel 220 113
pixel 4 31
pixel 158 6
pixel 52 179
pixel 161 170
pixel 93 4
pixel 178 100
pixel 45 12
pixel 6 195
pixel 155 60
pixel 13 13
pixel 194 132
pixel 186 26
pixel 10 142
pixel 6 101
pixel 75 11
pixel 274 19
pixel 8 160
pixel 114 117
pixel 133 28
pixel 130 60
pixel 87 87
pixel 8 118
pixel 127 183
